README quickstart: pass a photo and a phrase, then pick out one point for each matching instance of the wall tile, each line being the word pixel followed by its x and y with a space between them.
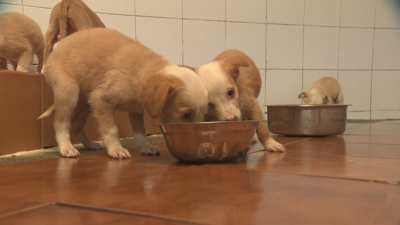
pixel 387 49
pixel 387 14
pixel 283 86
pixel 358 13
pixel 162 35
pixel 159 8
pixel 284 46
pixel 261 96
pixel 42 3
pixel 249 38
pixel 40 15
pixel 325 13
pixel 122 23
pixel 285 11
pixel 355 50
pixel 321 47
pixel 311 76
pixel 126 7
pixel 202 41
pixel 358 115
pixel 356 87
pixel 10 8
pixel 204 9
pixel 17 2
pixel 246 11
pixel 385 94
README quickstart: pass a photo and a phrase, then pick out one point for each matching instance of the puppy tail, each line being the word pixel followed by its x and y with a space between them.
pixel 48 113
pixel 63 19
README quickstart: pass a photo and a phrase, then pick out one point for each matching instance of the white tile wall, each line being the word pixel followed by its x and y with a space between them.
pixel 285 11
pixel 261 96
pixel 204 9
pixel 356 48
pixel 162 35
pixel 293 42
pixel 321 47
pixel 284 46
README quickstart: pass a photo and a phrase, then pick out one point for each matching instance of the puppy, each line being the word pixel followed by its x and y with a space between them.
pixel 325 91
pixel 67 17
pixel 99 70
pixel 20 39
pixel 233 83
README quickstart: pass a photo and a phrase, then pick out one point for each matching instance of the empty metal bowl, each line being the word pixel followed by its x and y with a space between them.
pixel 307 120
pixel 209 141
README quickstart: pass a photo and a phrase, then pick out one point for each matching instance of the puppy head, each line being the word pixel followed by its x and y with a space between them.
pixel 175 95
pixel 219 78
pixel 311 98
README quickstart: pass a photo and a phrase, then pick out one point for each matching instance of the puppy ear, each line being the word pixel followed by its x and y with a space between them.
pixel 232 65
pixel 303 95
pixel 325 99
pixel 155 92
pixel 188 67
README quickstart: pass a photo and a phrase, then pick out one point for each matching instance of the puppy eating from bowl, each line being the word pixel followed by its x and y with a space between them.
pixel 98 71
pixel 324 91
pixel 233 83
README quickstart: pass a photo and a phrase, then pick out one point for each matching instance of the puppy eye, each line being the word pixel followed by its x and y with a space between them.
pixel 231 92
pixel 210 105
pixel 187 115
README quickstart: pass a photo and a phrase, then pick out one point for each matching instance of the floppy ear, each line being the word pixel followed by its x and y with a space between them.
pixel 303 95
pixel 188 67
pixel 232 65
pixel 325 100
pixel 155 91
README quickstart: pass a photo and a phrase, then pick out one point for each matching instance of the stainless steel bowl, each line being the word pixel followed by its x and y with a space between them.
pixel 307 120
pixel 209 141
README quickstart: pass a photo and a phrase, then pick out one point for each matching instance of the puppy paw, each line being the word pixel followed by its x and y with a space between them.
pixel 275 146
pixel 149 150
pixel 120 154
pixel 69 153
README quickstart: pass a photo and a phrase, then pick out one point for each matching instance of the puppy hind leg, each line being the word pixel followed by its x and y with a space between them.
pixel 79 126
pixel 139 133
pixel 25 60
pixel 103 111
pixel 65 101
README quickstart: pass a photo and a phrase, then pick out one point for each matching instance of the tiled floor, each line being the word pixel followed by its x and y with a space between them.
pixel 352 178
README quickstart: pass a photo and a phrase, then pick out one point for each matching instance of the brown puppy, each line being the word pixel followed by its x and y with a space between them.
pixel 325 91
pixel 20 39
pixel 99 70
pixel 233 83
pixel 67 17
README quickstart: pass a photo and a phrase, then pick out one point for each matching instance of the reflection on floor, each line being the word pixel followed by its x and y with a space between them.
pixel 346 179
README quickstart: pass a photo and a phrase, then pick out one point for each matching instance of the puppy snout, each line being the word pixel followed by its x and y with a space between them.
pixel 232 118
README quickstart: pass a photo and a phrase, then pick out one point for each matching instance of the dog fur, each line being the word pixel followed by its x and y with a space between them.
pixel 99 70
pixel 20 39
pixel 67 17
pixel 233 83
pixel 325 91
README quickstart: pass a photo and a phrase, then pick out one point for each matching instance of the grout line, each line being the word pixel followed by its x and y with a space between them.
pixel 125 212
pixel 135 17
pixel 338 55
pixel 303 52
pixel 27 209
pixel 383 206
pixel 372 64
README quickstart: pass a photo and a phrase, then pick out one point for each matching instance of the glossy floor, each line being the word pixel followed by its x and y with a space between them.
pixel 346 179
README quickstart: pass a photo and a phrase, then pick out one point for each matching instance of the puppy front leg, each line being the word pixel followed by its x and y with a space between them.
pixel 24 61
pixel 263 133
pixel 139 133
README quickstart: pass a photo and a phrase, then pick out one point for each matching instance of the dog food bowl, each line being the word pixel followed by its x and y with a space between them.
pixel 209 141
pixel 307 120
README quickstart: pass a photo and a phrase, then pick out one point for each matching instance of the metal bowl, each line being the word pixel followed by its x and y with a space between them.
pixel 209 141
pixel 307 120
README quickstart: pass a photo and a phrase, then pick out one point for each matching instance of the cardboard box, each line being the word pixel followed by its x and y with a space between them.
pixel 24 97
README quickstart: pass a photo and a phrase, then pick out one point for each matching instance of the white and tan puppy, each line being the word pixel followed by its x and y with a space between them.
pixel 233 83
pixel 325 91
pixel 67 17
pixel 100 70
pixel 20 39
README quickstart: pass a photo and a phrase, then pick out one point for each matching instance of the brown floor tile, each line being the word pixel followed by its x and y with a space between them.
pixel 63 178
pixel 224 196
pixel 9 206
pixel 373 139
pixel 377 129
pixel 69 215
pixel 391 211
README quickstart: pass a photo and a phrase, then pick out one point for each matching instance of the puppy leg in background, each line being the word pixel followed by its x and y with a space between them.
pixel 25 60
pixel 3 64
pixel 51 38
pixel 79 126
pixel 139 133
pixel 103 111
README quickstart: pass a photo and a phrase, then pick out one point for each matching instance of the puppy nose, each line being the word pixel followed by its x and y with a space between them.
pixel 232 118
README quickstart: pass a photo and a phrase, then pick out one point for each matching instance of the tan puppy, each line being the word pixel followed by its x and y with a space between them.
pixel 20 39
pixel 233 83
pixel 325 91
pixel 67 17
pixel 99 70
